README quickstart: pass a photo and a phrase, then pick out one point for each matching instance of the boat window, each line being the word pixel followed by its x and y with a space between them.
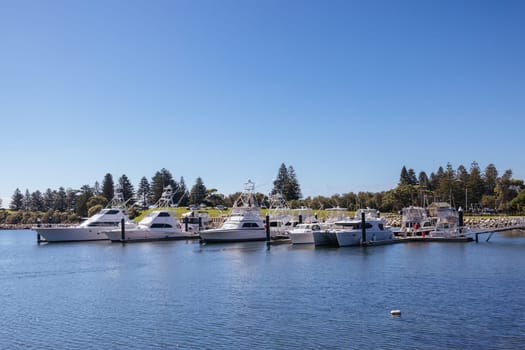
pixel 381 227
pixel 96 224
pixel 161 226
pixel 356 225
pixel 112 212
pixel 250 224
pixel 164 214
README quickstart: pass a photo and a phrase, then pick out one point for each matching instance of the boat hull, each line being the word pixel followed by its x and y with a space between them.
pixel 73 234
pixel 325 238
pixel 302 238
pixel 347 238
pixel 235 235
pixel 148 236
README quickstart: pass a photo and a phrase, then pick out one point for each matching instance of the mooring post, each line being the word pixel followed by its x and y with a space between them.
pixel 300 218
pixel 267 226
pixel 186 223
pixel 460 219
pixel 200 223
pixel 363 228
pixel 122 230
pixel 38 239
pixel 477 239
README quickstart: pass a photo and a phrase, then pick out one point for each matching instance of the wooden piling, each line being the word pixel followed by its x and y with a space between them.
pixel 267 226
pixel 122 230
pixel 363 228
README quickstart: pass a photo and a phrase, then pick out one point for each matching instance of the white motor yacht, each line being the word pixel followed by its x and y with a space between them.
pixel 245 222
pixel 350 233
pixel 304 233
pixel 91 229
pixel 159 224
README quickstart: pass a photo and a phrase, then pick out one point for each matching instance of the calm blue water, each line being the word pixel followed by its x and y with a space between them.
pixel 185 295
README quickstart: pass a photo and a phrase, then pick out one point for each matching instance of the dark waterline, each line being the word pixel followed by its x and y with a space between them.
pixel 185 295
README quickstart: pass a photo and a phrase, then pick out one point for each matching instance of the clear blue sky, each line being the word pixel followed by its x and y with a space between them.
pixel 347 92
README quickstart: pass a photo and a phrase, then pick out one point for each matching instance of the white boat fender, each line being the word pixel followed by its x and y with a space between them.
pixel 395 312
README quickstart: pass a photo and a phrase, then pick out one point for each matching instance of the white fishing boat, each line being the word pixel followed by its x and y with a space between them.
pixel 245 222
pixel 415 222
pixel 92 228
pixel 447 223
pixel 160 224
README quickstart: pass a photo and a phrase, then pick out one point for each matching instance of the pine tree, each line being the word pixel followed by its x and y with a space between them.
pixel 198 192
pixel 143 192
pixel 81 203
pixel 280 181
pixel 49 199
pixel 17 200
pixel 71 198
pixel 412 179
pixel 108 188
pixel 475 184
pixel 291 189
pixel 503 190
pixel 61 200
pixel 490 178
pixel 127 188
pixel 37 201
pixel 403 177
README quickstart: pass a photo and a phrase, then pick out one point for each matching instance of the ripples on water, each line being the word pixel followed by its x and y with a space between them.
pixel 186 295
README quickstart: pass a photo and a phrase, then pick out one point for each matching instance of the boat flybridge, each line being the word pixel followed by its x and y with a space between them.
pixel 159 224
pixel 415 222
pixel 447 224
pixel 92 229
pixel 244 223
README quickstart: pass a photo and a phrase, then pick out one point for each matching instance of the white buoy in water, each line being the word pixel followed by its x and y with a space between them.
pixel 395 312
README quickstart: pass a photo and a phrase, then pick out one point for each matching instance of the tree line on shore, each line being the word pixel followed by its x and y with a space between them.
pixel 471 189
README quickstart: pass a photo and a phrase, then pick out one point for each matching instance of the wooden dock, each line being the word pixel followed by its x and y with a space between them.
pixel 492 230
pixel 459 239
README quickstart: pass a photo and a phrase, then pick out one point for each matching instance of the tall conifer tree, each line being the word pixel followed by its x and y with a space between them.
pixel 108 187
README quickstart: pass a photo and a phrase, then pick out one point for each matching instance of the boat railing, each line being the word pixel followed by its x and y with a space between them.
pixel 35 226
